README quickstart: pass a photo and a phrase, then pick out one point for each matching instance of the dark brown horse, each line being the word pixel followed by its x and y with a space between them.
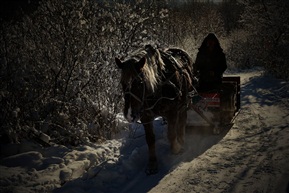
pixel 157 83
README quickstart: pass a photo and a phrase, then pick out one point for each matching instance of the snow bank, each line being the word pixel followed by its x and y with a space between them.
pixel 50 168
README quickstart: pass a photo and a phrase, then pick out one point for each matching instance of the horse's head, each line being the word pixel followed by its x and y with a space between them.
pixel 133 86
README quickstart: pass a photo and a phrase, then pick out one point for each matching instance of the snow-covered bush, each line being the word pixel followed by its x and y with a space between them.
pixel 268 25
pixel 57 68
pixel 238 52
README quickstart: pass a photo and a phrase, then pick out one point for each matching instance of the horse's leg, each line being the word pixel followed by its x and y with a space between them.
pixel 152 167
pixel 181 127
pixel 172 133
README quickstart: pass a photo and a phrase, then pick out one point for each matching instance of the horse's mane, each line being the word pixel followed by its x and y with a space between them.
pixel 153 66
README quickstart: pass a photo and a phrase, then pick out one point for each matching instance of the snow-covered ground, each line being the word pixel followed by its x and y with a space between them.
pixel 252 156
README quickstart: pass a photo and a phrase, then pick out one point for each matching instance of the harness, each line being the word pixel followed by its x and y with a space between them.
pixel 166 79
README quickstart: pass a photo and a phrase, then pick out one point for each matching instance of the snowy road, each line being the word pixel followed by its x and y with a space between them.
pixel 252 156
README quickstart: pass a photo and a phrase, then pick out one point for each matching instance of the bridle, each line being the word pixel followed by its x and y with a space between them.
pixel 142 99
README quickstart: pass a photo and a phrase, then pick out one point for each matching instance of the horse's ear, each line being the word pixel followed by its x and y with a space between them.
pixel 141 63
pixel 118 63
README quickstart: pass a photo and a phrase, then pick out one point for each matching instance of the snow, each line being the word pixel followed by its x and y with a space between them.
pixel 252 156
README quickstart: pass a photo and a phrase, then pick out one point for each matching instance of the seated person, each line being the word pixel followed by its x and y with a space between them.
pixel 210 64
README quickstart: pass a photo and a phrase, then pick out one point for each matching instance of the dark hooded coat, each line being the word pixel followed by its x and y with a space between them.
pixel 210 66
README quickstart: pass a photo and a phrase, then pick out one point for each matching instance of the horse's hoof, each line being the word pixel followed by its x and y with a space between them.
pixel 152 168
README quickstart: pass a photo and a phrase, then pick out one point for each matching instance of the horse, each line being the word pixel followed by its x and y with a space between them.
pixel 157 82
